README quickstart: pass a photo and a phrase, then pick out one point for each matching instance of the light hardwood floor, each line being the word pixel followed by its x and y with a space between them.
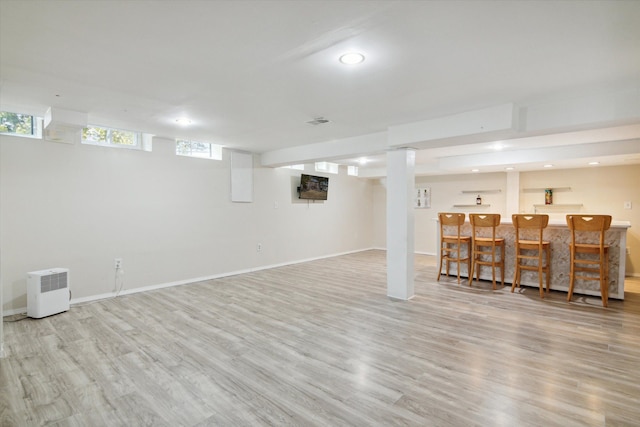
pixel 320 344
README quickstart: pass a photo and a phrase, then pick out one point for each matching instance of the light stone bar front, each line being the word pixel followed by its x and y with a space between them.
pixel 557 233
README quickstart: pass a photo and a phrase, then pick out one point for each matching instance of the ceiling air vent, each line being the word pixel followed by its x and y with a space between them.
pixel 318 121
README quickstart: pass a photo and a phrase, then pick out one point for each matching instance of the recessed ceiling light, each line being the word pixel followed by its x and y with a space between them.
pixel 363 161
pixel 594 163
pixel 352 58
pixel 475 170
pixel 548 166
pixel 509 168
pixel 183 121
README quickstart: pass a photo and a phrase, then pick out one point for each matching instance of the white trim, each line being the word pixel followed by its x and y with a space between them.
pixel 424 253
pixel 38 126
pixel 91 298
pixel 228 274
pixel 82 300
pixel 22 310
pixel 415 252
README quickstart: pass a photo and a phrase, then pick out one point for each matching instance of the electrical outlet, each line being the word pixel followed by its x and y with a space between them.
pixel 627 205
pixel 259 247
pixel 118 263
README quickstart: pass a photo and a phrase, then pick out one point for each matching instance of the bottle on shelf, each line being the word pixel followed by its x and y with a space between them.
pixel 478 200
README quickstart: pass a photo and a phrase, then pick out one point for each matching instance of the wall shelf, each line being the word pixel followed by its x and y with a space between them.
pixel 480 191
pixel 541 189
pixel 471 206
pixel 559 205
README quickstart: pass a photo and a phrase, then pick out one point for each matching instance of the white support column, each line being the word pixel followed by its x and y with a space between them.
pixel 400 223
pixel 1 323
pixel 512 194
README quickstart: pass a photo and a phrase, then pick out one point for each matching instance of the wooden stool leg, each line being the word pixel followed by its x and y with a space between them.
pixel 572 274
pixel 442 252
pixel 446 261
pixel 540 275
pixel 493 265
pixel 606 275
pixel 473 263
pixel 516 270
pixel 502 264
pixel 548 266
pixel 458 263
pixel 469 258
pixel 604 281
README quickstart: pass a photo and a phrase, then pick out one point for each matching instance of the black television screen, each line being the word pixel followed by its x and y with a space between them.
pixel 314 187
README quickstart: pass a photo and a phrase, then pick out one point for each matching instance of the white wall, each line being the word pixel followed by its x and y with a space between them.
pixel 446 191
pixel 169 217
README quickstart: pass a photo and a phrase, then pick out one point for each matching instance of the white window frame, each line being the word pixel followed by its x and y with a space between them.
pixel 142 141
pixel 295 167
pixel 215 150
pixel 36 127
pixel 327 167
pixel 352 170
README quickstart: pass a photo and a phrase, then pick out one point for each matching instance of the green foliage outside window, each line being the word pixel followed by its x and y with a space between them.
pixel 203 150
pixel 183 148
pixel 21 124
pixel 100 135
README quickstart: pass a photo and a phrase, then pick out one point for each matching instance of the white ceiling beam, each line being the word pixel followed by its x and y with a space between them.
pixel 373 143
pixel 564 114
pixel 542 154
pixel 463 128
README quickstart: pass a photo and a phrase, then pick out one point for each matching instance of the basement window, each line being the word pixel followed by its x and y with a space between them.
pixel 202 150
pixel 17 124
pixel 327 167
pixel 117 138
pixel 352 170
pixel 296 167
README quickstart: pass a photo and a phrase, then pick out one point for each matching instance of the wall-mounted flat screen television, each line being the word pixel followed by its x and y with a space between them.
pixel 314 187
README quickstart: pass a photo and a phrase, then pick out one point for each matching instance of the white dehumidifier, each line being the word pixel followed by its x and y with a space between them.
pixel 47 292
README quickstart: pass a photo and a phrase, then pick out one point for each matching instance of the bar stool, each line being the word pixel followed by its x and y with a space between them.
pixel 486 246
pixel 453 253
pixel 525 224
pixel 596 259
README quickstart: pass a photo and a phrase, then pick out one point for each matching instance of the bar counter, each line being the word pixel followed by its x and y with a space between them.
pixel 557 233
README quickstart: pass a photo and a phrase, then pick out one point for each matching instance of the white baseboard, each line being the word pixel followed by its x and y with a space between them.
pixel 81 300
pixel 98 297
pixel 415 252
pixel 425 253
pixel 22 310
pixel 211 277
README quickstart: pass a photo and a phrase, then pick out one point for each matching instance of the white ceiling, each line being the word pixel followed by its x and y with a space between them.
pixel 250 74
